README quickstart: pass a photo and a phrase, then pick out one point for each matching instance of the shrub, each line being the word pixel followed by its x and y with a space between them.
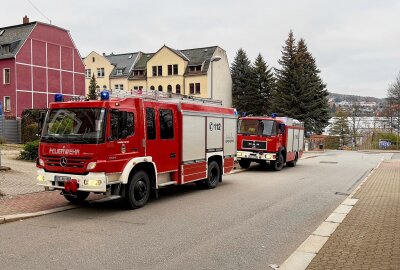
pixel 30 151
pixel 29 133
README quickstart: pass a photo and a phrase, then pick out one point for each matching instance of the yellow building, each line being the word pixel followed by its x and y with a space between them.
pixel 202 72
pixel 99 66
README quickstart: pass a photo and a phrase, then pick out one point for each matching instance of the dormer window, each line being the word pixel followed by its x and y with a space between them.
pixel 120 71
pixel 195 68
pixel 5 49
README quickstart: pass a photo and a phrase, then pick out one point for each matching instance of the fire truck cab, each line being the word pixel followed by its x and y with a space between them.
pixel 131 145
pixel 273 140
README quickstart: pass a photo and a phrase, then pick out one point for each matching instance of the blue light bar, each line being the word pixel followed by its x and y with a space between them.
pixel 274 115
pixel 58 98
pixel 104 95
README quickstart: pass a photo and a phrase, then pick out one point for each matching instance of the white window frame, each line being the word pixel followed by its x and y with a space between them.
pixel 88 73
pixel 4 75
pixel 7 107
pixel 118 86
pixel 100 72
pixel 119 71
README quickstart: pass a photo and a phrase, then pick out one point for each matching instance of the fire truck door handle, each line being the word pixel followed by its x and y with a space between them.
pixel 172 155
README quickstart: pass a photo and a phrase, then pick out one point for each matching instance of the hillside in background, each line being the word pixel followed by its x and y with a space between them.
pixel 352 98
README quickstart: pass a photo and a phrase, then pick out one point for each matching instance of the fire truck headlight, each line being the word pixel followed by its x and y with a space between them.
pixel 91 166
pixel 41 162
pixel 40 178
pixel 239 154
pixel 92 182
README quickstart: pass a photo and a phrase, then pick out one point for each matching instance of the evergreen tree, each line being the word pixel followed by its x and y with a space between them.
pixel 340 127
pixel 264 82
pixel 242 82
pixel 92 95
pixel 300 92
pixel 284 99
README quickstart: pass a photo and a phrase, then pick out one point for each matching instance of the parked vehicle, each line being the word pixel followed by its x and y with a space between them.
pixel 130 146
pixel 273 140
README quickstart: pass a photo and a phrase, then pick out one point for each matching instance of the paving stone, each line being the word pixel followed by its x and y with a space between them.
pixel 368 238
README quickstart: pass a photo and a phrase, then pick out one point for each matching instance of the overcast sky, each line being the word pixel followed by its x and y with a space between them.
pixel 356 43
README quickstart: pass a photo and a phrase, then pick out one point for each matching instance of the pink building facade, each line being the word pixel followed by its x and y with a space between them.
pixel 37 60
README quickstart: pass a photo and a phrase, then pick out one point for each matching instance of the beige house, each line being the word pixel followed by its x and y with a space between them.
pixel 202 72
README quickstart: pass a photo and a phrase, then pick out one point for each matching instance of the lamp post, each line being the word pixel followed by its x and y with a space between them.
pixel 212 60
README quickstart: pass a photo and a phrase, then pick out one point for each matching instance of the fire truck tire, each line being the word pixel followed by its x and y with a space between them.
pixel 292 163
pixel 81 196
pixel 244 163
pixel 138 190
pixel 214 175
pixel 277 164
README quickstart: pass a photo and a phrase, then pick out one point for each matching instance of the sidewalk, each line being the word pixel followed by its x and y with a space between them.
pixel 369 236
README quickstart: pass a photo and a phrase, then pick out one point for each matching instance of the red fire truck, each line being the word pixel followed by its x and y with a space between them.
pixel 129 146
pixel 273 140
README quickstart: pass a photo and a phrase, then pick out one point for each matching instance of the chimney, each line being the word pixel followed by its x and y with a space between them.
pixel 25 20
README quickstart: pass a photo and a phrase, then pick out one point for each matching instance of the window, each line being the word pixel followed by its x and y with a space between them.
pixel 178 89
pixel 7 104
pixel 197 88
pixel 88 73
pixel 175 69
pixel 93 59
pixel 195 68
pixel 166 124
pixel 191 87
pixel 119 71
pixel 160 88
pixel 5 49
pixel 154 71
pixel 152 87
pixel 169 88
pixel 150 124
pixel 122 124
pixel 100 72
pixel 119 87
pixel 159 70
pixel 169 69
pixel 135 88
pixel 140 87
pixel 6 76
pixel 138 73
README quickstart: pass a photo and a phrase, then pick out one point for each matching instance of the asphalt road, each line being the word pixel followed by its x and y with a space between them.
pixel 252 219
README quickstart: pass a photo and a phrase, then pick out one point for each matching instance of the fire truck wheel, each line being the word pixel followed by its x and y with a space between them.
pixel 79 197
pixel 138 190
pixel 277 165
pixel 244 163
pixel 214 175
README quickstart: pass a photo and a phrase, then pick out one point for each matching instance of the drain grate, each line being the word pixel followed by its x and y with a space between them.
pixel 329 162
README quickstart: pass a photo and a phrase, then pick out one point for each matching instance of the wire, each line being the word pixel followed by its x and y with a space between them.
pixel 41 13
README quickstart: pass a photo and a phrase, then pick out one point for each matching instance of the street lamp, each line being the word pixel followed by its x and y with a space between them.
pixel 213 59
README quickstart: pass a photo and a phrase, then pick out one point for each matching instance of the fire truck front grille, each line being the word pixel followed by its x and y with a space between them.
pixel 66 162
pixel 259 145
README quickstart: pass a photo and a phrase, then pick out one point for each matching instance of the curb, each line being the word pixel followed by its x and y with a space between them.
pixel 305 253
pixel 11 218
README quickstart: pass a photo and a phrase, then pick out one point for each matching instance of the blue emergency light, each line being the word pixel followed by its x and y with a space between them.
pixel 274 115
pixel 58 98
pixel 104 95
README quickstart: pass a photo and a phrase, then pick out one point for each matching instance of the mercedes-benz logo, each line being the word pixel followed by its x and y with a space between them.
pixel 63 161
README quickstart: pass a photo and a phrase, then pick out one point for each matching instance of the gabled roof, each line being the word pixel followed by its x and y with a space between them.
pixel 123 62
pixel 199 56
pixel 142 62
pixel 15 36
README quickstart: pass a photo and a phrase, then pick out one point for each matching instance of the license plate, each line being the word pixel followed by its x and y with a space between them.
pixel 60 178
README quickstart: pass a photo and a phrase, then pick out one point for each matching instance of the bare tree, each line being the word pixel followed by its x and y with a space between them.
pixel 393 96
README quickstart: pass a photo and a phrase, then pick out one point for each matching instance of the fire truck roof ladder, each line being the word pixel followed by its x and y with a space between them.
pixel 158 95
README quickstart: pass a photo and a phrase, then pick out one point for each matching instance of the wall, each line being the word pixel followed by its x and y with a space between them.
pixel 202 79
pixel 48 63
pixel 133 83
pixel 222 80
pixel 165 57
pixel 99 62
pixel 8 89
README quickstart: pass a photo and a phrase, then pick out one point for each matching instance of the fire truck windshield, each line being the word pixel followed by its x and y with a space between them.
pixel 74 125
pixel 257 127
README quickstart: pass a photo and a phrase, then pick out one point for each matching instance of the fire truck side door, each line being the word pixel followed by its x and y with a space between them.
pixel 162 137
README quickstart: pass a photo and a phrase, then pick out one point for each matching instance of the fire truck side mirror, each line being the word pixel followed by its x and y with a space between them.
pixel 40 119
